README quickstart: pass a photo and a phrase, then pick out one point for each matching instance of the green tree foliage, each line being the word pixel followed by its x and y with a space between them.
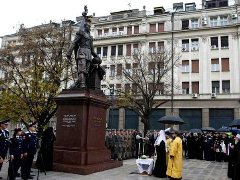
pixel 35 71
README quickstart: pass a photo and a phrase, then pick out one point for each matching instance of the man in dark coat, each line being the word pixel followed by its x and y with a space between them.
pixel 161 165
pixel 45 155
pixel 30 146
pixel 4 141
pixel 16 153
pixel 236 161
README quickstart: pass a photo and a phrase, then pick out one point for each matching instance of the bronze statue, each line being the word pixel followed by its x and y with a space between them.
pixel 84 50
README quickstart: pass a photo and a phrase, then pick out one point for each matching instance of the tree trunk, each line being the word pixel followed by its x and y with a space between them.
pixel 146 125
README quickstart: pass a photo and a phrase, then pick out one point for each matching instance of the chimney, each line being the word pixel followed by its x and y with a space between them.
pixel 159 10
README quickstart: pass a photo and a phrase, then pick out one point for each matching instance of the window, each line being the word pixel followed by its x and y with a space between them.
pixel 134 88
pixel 129 50
pixel 226 86
pixel 194 23
pixel 99 51
pixel 185 24
pixel 114 31
pixel 113 50
pixel 99 32
pixel 185 45
pixel 134 68
pixel 223 3
pixel 129 30
pixel 160 27
pixel 224 41
pixel 128 68
pixel 223 20
pixel 152 28
pixel 185 66
pixel 120 50
pixel 160 88
pixel 195 87
pixel 213 21
pixel 119 69
pixel 1 74
pixel 214 42
pixel 127 87
pixel 195 66
pixel 151 67
pixel 152 47
pixel 121 30
pixel 105 50
pixel 215 65
pixel 194 44
pixel 136 29
pixel 215 86
pixel 118 87
pixel 150 87
pixel 135 65
pixel 111 87
pixel 112 70
pixel 135 49
pixel 185 87
pixel 106 31
pixel 161 46
pixel 211 4
pixel 225 64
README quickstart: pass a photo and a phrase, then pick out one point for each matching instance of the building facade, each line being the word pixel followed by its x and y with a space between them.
pixel 208 74
pixel 207 40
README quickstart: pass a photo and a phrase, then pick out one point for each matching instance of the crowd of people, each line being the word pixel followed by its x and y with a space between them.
pixel 213 146
pixel 167 147
pixel 22 148
pixel 209 146
pixel 126 144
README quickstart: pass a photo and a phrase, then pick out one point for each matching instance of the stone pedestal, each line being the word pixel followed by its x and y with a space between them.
pixel 81 123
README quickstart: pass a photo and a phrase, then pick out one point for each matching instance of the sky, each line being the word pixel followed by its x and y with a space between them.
pixel 13 13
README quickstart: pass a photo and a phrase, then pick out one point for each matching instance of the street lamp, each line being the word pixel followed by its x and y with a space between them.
pixel 172 81
pixel 111 107
pixel 109 93
pixel 172 59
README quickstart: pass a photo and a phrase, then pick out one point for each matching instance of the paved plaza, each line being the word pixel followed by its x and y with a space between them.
pixel 192 170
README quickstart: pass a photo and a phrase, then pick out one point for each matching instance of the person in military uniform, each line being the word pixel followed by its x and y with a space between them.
pixel 30 146
pixel 82 46
pixel 123 142
pixel 109 142
pixel 4 141
pixel 16 153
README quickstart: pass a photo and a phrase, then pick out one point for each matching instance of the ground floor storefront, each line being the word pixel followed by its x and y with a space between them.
pixel 195 113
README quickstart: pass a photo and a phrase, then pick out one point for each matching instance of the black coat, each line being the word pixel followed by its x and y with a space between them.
pixel 236 162
pixel 160 166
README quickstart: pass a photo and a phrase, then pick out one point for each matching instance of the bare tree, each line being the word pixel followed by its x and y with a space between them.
pixel 147 75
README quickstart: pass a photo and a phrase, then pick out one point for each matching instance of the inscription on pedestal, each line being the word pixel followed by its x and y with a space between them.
pixel 97 121
pixel 69 120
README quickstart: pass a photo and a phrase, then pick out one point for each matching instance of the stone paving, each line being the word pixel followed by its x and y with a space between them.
pixel 192 170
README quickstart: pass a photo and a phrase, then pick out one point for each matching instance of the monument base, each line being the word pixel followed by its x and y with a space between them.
pixel 87 169
pixel 81 126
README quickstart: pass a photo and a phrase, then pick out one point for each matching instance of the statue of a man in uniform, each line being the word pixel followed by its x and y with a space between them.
pixel 82 46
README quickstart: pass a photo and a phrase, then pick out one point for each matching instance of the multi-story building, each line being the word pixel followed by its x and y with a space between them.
pixel 207 40
pixel 209 71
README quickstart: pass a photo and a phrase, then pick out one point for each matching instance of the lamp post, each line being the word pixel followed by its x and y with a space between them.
pixel 111 89
pixel 172 62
